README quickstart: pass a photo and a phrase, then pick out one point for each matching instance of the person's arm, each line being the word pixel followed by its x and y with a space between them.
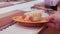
pixel 38 6
pixel 54 21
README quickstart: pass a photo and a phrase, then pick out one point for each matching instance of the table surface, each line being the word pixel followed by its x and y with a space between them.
pixel 15 29
pixel 23 6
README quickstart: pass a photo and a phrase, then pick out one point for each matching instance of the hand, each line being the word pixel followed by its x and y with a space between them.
pixel 54 21
pixel 38 6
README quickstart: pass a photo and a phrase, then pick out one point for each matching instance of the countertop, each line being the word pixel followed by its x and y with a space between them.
pixel 15 29
pixel 23 6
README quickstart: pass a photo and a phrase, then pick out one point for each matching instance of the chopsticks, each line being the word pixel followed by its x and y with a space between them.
pixel 42 29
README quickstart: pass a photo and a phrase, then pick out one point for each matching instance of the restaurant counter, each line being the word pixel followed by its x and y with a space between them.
pixel 15 29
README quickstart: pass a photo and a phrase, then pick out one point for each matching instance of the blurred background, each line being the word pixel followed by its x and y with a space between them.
pixel 5 3
pixel 13 0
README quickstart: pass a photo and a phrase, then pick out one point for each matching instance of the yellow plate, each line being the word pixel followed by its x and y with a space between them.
pixel 19 19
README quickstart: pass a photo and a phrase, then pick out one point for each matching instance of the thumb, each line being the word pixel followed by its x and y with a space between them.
pixel 51 21
pixel 51 18
pixel 51 25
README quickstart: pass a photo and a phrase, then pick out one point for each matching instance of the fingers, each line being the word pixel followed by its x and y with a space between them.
pixel 51 25
pixel 57 26
pixel 54 21
pixel 51 21
pixel 38 6
pixel 51 18
pixel 54 25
